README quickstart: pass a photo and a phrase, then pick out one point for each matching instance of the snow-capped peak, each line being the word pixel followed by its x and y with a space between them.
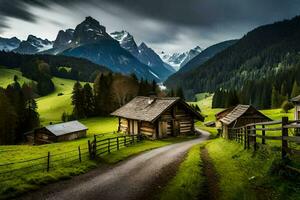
pixel 177 60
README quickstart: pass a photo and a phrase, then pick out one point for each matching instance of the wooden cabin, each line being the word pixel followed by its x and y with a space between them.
pixel 240 116
pixel 58 132
pixel 296 102
pixel 157 117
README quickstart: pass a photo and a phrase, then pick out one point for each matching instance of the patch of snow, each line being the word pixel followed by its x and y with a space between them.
pixel 154 74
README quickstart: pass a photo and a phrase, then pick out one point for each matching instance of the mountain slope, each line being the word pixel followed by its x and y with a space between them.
pixel 258 56
pixel 206 54
pixel 8 44
pixel 109 53
pixel 144 54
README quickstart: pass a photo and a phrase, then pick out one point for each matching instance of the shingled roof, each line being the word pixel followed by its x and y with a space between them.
pixel 149 109
pixel 66 128
pixel 237 112
pixel 295 99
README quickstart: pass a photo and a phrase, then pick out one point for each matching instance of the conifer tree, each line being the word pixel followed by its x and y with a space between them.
pixel 89 101
pixel 295 90
pixel 77 101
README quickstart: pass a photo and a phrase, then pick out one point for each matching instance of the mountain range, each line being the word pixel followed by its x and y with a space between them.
pixel 90 40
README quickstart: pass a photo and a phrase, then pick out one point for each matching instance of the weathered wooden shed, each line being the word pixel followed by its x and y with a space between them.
pixel 157 117
pixel 240 116
pixel 59 132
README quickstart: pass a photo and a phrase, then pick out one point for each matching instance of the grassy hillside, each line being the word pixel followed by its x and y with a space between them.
pixel 7 77
pixel 52 106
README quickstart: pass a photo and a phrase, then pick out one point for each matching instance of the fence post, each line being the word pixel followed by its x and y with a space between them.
pixel 245 137
pixel 132 138
pixel 89 146
pixel 248 137
pixel 108 146
pixel 263 133
pixel 254 138
pixel 284 146
pixel 48 162
pixel 79 153
pixel 118 143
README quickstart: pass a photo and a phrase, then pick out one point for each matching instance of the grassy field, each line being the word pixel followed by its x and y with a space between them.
pixel 188 180
pixel 7 77
pixel 52 106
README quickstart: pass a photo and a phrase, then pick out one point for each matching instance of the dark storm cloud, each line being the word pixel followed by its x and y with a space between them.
pixel 210 12
pixel 19 9
pixel 186 12
pixel 170 20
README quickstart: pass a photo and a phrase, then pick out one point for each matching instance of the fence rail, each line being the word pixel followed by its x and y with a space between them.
pixel 108 145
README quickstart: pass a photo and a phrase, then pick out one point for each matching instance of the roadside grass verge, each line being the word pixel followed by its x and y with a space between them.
pixel 244 174
pixel 189 179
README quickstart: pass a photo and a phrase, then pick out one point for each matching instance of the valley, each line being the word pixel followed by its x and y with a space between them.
pixel 149 100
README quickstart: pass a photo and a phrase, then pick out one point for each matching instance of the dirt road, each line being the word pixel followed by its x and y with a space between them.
pixel 136 178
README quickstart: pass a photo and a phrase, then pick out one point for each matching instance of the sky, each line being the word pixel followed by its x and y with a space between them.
pixel 165 25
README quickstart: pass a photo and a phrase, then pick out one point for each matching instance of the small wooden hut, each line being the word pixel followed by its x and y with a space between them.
pixel 157 117
pixel 58 132
pixel 240 116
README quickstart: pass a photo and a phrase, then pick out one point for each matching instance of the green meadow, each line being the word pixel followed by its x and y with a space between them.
pixel 7 77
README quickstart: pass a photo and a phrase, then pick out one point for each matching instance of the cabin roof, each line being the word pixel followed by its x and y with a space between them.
pixel 238 111
pixel 295 99
pixel 66 128
pixel 149 109
pixel 227 110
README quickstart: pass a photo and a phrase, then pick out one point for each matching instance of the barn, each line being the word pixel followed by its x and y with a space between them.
pixel 59 132
pixel 240 116
pixel 157 117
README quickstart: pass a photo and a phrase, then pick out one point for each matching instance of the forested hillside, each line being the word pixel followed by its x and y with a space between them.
pixel 265 59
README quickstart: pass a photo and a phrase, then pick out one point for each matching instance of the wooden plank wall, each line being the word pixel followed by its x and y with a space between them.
pixel 147 128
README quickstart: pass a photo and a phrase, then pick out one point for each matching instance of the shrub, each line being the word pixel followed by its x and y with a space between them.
pixel 286 106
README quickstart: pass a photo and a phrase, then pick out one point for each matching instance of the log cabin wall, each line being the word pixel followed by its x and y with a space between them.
pixel 186 121
pixel 123 125
pixel 148 129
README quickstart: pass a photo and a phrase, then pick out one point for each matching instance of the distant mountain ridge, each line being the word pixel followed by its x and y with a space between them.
pixel 143 53
pixel 177 60
pixel 9 44
pixel 33 45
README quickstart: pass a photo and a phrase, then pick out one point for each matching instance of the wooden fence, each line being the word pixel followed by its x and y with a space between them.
pixel 248 135
pixel 46 163
pixel 105 146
